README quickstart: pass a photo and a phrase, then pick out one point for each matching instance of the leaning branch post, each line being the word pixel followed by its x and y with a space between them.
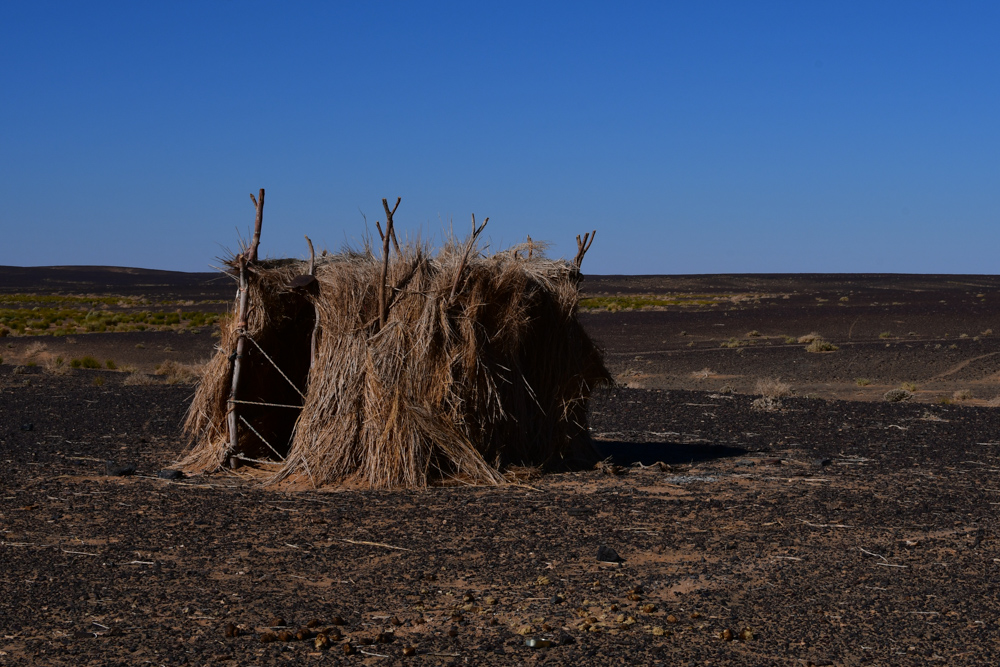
pixel 237 357
pixel 315 331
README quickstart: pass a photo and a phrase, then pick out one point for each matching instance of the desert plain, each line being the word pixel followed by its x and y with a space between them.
pixel 764 500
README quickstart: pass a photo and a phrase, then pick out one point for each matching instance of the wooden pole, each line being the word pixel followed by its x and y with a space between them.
pixel 259 205
pixel 241 326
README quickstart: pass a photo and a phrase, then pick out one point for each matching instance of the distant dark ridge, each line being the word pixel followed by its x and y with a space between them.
pixel 114 280
pixel 786 282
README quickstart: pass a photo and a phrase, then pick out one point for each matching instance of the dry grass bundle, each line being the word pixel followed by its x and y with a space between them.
pixel 475 363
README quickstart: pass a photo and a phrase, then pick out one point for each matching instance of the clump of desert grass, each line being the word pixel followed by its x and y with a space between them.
pixel 477 365
pixel 175 372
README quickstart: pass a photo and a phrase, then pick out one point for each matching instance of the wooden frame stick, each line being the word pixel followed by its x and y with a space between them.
pixel 237 358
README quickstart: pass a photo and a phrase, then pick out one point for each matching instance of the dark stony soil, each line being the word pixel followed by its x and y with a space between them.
pixel 822 531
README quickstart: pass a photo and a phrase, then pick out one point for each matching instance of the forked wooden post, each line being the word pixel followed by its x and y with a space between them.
pixel 582 247
pixel 390 233
pixel 465 257
pixel 241 327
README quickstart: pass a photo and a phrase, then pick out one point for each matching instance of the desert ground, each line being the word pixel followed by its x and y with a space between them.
pixel 765 504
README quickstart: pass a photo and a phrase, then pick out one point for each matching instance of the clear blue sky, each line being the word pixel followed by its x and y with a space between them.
pixel 697 137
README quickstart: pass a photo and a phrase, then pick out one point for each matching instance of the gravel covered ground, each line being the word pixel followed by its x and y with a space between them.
pixel 814 530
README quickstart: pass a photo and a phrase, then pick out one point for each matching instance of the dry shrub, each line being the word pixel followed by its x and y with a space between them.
pixel 820 345
pixel 136 378
pixel 897 395
pixel 809 337
pixel 480 366
pixel 703 374
pixel 962 395
pixel 36 353
pixel 178 373
pixel 773 388
pixel 766 404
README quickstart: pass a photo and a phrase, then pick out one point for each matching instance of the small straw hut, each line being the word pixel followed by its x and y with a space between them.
pixel 398 370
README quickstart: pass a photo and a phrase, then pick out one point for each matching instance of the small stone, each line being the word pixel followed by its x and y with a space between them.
pixel 746 634
pixel 285 636
pixel 490 600
pixel 348 649
pixel 658 631
pixel 648 608
pixel 671 619
pixel 170 474
pixel 314 623
pixel 230 630
pixel 384 638
pixel 337 620
pixel 695 614
pixel 634 597
pixel 546 627
pixel 468 597
pixel 543 581
pixel 276 622
pixel 268 637
pixel 303 635
pixel 524 630
pixel 638 590
pixel 321 642
pixel 537 643
pixel 557 599
pixel 366 641
pixel 726 635
pixel 606 554
pixel 409 650
pixel 117 470
pixel 395 621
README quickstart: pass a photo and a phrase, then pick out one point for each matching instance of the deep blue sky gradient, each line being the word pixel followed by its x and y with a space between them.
pixel 697 137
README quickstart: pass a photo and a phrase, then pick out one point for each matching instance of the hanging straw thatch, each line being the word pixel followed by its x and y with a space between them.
pixel 467 364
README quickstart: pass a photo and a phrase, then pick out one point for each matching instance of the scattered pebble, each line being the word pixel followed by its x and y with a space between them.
pixel 606 554
pixel 321 642
pixel 409 650
pixel 537 643
pixel 231 630
pixel 726 635
pixel 268 637
pixel 277 622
